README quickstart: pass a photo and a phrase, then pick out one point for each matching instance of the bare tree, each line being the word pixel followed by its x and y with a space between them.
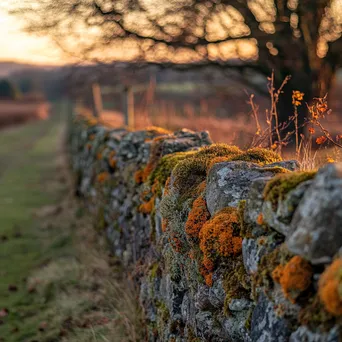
pixel 292 37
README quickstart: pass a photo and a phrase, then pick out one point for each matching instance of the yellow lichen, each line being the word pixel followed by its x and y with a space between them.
pixel 330 288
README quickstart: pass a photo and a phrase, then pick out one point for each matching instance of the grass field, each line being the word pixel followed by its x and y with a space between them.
pixel 57 280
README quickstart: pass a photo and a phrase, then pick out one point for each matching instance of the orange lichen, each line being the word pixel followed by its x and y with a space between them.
pixel 92 137
pixel 167 186
pixel 165 223
pixel 329 288
pixel 138 176
pixel 209 279
pixel 201 187
pixel 102 177
pixel 111 159
pixel 219 237
pixel 99 156
pixel 260 219
pixel 294 277
pixel 176 243
pixel 88 146
pixel 148 206
pixel 198 215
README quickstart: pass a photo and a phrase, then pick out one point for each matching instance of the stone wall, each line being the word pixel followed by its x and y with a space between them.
pixel 224 244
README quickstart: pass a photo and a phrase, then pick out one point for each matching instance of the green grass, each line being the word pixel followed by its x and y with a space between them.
pixel 68 288
pixel 28 154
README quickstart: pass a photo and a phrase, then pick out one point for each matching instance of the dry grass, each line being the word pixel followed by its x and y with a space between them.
pixel 90 298
pixel 14 112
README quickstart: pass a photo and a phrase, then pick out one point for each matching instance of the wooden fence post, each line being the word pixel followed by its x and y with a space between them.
pixel 97 99
pixel 129 107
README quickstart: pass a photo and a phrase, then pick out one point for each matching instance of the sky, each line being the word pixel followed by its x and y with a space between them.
pixel 16 45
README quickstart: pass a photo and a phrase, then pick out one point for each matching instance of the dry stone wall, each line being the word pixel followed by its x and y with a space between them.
pixel 224 244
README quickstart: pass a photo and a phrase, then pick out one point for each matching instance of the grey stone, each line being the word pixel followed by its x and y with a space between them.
pixel 202 301
pixel 266 326
pixel 217 294
pixel 240 304
pixel 280 218
pixel 255 200
pixel 303 334
pixel 254 249
pixel 317 223
pixel 235 327
pixel 205 324
pixel 228 183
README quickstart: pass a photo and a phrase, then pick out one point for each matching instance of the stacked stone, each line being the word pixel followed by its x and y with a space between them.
pixel 238 246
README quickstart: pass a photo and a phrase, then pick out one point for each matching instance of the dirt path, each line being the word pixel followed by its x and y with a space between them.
pixel 57 280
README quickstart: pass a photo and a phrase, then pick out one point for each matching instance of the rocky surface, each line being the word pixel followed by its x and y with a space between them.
pixel 255 274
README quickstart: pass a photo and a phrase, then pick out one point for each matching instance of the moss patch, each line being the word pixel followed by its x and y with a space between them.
pixel 280 185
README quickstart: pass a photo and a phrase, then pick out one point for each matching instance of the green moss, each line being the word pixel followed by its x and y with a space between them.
pixel 314 315
pixel 218 150
pixel 166 165
pixel 245 229
pixel 275 169
pixel 249 319
pixel 154 271
pixel 163 311
pixel 235 282
pixel 259 156
pixel 190 172
pixel 100 222
pixel 279 256
pixel 280 185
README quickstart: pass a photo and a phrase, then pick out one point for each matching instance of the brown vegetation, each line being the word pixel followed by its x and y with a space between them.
pixel 20 111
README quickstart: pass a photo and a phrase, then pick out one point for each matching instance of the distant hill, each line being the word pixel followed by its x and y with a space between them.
pixel 7 68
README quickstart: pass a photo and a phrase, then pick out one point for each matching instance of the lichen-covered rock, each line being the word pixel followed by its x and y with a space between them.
pixel 317 224
pixel 266 326
pixel 228 183
pixel 254 201
pixel 280 218
pixel 254 249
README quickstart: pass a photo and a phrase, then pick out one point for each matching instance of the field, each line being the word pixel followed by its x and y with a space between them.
pixel 14 112
pixel 50 289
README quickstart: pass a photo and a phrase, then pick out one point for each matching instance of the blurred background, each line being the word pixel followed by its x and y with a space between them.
pixel 217 65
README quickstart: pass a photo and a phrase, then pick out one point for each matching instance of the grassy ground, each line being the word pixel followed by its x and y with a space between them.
pixel 57 280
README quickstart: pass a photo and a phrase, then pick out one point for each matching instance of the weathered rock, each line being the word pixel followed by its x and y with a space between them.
pixel 254 249
pixel 266 326
pixel 235 326
pixel 317 224
pixel 228 183
pixel 202 301
pixel 280 218
pixel 255 201
pixel 217 294
pixel 303 334
pixel 240 304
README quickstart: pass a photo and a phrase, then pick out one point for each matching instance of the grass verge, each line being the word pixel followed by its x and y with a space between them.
pixel 57 280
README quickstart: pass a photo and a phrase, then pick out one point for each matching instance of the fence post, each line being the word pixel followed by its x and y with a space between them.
pixel 129 107
pixel 97 99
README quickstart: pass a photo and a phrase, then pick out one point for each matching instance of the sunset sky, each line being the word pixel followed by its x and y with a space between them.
pixel 18 46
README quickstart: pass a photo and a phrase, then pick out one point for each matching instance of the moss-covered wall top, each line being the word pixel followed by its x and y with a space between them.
pixel 224 244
